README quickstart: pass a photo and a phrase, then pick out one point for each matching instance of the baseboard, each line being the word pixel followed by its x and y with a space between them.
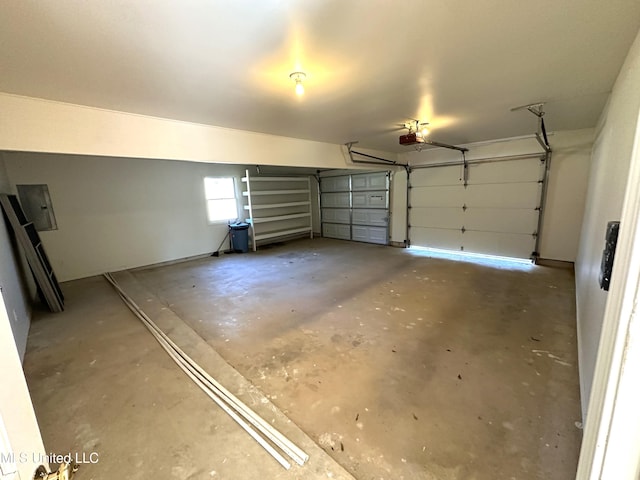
pixel 398 244
pixel 169 262
pixel 547 262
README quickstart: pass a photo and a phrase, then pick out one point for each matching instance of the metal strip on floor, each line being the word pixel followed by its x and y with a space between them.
pixel 221 396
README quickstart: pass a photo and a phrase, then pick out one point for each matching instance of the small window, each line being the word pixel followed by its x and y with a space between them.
pixel 220 193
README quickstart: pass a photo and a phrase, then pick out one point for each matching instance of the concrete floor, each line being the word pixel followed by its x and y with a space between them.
pixel 398 365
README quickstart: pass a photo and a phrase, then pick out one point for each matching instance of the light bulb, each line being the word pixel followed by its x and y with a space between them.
pixel 425 131
pixel 298 77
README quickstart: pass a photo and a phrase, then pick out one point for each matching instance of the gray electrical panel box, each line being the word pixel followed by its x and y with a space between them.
pixel 36 203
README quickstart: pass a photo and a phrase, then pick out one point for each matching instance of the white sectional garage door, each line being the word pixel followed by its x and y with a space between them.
pixel 356 207
pixel 496 214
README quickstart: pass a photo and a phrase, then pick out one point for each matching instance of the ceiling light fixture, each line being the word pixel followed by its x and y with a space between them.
pixel 298 77
pixel 417 127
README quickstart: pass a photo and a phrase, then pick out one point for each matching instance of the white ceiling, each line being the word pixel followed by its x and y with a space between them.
pixel 371 64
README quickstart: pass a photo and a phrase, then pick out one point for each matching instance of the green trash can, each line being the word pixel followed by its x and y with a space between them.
pixel 239 234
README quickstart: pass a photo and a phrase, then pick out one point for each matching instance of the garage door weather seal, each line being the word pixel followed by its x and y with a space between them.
pixel 233 406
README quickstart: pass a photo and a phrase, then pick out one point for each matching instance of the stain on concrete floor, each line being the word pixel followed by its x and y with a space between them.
pixel 399 366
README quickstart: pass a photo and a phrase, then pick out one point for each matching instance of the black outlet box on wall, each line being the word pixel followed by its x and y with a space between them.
pixel 608 254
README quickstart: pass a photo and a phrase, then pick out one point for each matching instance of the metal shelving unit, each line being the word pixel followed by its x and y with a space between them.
pixel 278 207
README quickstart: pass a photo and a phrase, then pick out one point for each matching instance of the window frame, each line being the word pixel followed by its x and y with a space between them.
pixel 208 199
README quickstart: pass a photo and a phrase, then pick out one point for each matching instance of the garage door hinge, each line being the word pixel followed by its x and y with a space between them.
pixel 538 209
pixel 463 229
pixel 534 234
pixel 464 207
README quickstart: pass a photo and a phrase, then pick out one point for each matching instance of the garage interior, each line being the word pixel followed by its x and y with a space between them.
pixel 390 370
pixel 414 289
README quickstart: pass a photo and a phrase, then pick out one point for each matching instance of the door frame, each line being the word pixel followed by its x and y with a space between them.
pixel 16 409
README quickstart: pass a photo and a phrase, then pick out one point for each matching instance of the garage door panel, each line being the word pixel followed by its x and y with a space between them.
pixel 356 207
pixel 436 238
pixel 336 215
pixel 523 170
pixel 378 218
pixel 501 244
pixel 369 181
pixel 436 176
pixel 335 184
pixel 341 200
pixel 513 195
pixel 452 218
pixel 332 230
pixel 370 199
pixel 363 233
pixel 500 215
pixel 510 220
pixel 440 196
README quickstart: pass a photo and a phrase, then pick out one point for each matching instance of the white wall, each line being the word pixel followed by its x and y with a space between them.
pixel 316 217
pixel 13 286
pixel 117 213
pixel 566 193
pixel 398 207
pixel 36 125
pixel 487 149
pixel 607 183
pixel 566 187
